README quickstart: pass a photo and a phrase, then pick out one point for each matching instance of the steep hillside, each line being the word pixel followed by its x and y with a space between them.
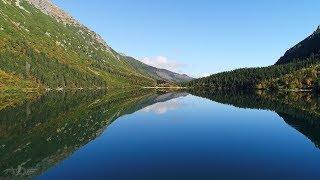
pixel 308 48
pixel 41 42
pixel 296 70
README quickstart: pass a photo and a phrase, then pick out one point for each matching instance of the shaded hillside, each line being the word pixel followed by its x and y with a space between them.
pixel 308 48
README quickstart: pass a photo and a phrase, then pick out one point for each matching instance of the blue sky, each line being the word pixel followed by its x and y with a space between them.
pixel 199 37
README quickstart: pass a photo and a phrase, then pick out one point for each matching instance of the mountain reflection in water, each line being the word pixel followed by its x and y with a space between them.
pixel 37 135
pixel 299 110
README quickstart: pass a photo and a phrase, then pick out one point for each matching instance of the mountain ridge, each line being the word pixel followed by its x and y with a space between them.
pixel 307 48
pixel 48 7
pixel 39 41
pixel 297 70
pixel 157 73
pixel 51 9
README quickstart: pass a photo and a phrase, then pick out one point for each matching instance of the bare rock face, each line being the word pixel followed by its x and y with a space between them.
pixel 49 8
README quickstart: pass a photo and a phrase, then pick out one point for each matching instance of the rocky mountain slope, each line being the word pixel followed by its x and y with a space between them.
pixel 41 43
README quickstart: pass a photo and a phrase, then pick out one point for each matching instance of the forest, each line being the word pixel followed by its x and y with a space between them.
pixel 257 78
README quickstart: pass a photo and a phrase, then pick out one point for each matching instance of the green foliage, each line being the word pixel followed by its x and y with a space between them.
pixel 303 79
pixel 296 70
pixel 248 78
pixel 316 87
pixel 34 45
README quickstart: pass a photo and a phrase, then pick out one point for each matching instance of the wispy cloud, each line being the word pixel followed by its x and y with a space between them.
pixel 164 107
pixel 200 74
pixel 163 62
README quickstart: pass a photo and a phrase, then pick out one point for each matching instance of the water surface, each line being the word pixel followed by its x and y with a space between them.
pixel 152 135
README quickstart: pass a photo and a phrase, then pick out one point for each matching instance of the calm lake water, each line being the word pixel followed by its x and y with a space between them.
pixel 147 135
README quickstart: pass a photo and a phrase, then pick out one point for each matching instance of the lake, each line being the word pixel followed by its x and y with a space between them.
pixel 161 135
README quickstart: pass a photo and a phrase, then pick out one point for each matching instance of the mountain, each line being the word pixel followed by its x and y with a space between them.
pixel 156 73
pixel 43 46
pixel 248 78
pixel 308 48
pixel 297 70
pixel 305 79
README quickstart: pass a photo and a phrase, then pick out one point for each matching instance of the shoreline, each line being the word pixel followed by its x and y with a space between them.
pixel 156 87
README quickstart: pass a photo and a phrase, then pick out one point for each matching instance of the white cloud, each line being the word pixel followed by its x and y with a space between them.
pixel 201 74
pixel 205 74
pixel 163 62
pixel 164 107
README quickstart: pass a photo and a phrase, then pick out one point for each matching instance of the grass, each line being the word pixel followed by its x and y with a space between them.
pixel 60 55
pixel 14 90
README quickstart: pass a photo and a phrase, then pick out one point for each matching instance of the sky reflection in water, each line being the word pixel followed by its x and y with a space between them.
pixel 158 136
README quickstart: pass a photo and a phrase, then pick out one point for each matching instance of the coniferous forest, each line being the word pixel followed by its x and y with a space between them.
pixel 297 70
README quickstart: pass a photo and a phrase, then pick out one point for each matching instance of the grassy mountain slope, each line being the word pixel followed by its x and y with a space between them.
pixel 11 83
pixel 41 42
pixel 13 89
